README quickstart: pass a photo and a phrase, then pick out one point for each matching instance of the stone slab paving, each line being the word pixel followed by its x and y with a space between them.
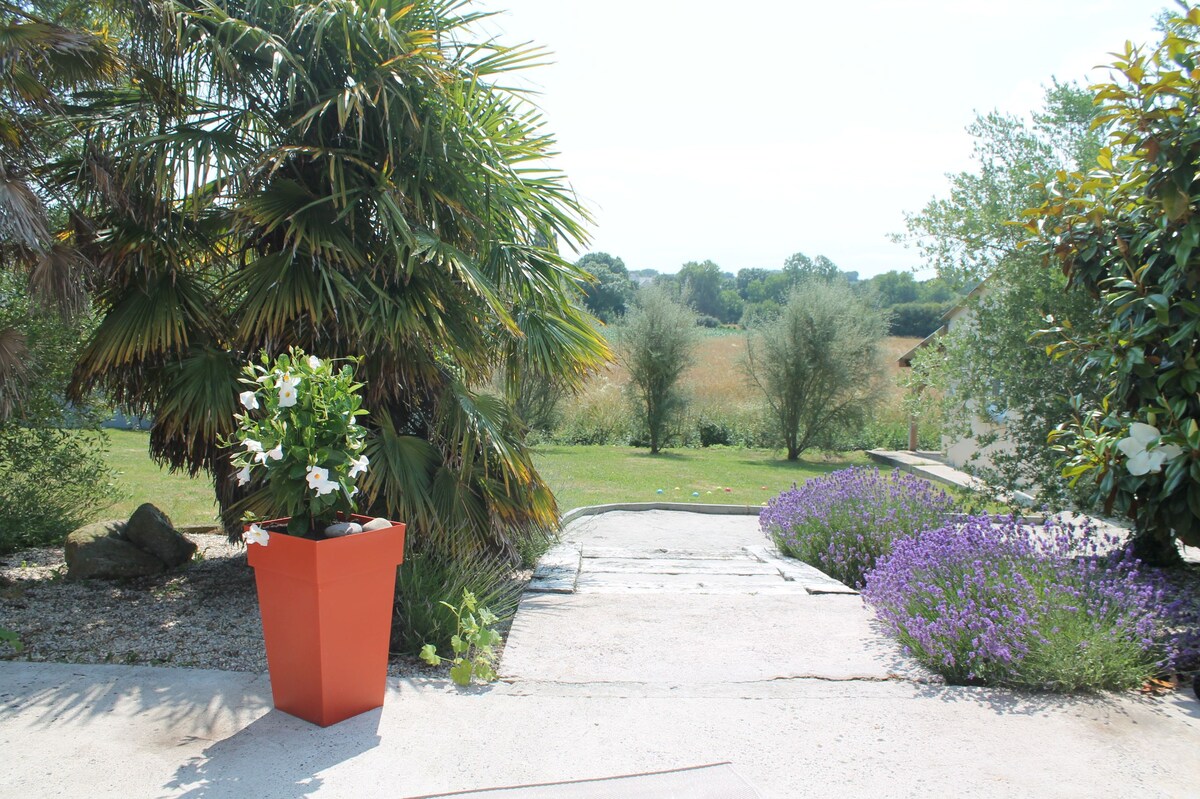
pixel 557 570
pixel 798 690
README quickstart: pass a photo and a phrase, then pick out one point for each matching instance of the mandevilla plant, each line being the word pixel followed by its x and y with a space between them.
pixel 299 438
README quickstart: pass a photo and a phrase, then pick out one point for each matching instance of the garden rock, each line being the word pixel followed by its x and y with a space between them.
pixel 101 550
pixel 150 529
pixel 378 523
pixel 339 529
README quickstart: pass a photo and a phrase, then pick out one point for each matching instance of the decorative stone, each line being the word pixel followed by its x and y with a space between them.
pixel 150 529
pixel 378 523
pixel 339 529
pixel 100 550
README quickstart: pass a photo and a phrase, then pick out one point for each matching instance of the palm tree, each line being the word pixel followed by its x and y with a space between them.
pixel 42 66
pixel 352 178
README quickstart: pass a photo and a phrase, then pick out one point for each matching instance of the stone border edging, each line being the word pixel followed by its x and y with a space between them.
pixel 693 507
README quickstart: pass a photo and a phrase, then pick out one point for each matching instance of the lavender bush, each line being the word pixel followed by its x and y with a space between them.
pixel 992 601
pixel 843 522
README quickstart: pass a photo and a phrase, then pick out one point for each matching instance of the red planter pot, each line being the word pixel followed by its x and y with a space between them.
pixel 327 613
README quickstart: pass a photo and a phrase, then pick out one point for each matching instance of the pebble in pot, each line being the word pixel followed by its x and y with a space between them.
pixel 378 523
pixel 339 529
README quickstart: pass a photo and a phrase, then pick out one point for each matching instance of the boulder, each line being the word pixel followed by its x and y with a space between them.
pixel 150 529
pixel 101 550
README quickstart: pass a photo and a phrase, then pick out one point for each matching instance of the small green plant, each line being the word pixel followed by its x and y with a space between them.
pixel 7 636
pixel 472 644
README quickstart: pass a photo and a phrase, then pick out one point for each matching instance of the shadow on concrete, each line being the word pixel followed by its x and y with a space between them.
pixel 276 755
pixel 206 702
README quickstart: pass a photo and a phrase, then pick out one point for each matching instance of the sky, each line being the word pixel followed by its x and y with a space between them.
pixel 743 132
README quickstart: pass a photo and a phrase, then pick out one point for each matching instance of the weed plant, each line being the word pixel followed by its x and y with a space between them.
pixel 996 602
pixel 844 522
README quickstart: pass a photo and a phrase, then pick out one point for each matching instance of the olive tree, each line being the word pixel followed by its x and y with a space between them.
pixel 656 342
pixel 819 363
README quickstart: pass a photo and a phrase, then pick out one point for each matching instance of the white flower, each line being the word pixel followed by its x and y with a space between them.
pixel 287 395
pixel 316 475
pixel 1142 458
pixel 252 445
pixel 243 476
pixel 286 380
pixel 314 362
pixel 318 480
pixel 257 535
pixel 358 466
pixel 249 400
pixel 276 454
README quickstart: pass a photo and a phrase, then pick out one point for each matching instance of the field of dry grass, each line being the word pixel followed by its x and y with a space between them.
pixel 718 374
pixel 724 406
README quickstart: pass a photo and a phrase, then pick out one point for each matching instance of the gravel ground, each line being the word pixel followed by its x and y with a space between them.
pixel 204 616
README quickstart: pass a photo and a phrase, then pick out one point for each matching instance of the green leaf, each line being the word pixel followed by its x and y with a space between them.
pixel 484 671
pixel 458 644
pixel 460 672
pixel 429 655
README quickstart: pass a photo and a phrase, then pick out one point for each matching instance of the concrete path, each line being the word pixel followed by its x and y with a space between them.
pixel 678 647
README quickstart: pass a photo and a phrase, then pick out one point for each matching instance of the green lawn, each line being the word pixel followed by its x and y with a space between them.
pixel 186 500
pixel 586 475
pixel 579 476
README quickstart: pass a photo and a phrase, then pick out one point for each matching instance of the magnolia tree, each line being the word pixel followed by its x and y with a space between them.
pixel 299 436
pixel 1128 232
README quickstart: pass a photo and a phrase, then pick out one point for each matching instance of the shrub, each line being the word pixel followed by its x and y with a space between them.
pixel 1001 603
pixel 657 341
pixel 819 364
pixel 426 580
pixel 844 522
pixel 51 481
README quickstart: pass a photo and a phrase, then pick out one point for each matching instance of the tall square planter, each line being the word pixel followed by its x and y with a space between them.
pixel 327 613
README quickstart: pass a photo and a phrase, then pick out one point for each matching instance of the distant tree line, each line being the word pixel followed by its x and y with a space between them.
pixel 755 295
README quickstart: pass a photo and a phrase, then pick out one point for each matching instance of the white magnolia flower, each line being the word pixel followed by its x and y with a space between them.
pixel 358 466
pixel 1142 457
pixel 314 362
pixel 252 445
pixel 257 535
pixel 249 400
pixel 287 395
pixel 243 476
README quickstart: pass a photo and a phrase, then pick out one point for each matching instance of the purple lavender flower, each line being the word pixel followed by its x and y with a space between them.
pixel 843 522
pixel 1052 607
